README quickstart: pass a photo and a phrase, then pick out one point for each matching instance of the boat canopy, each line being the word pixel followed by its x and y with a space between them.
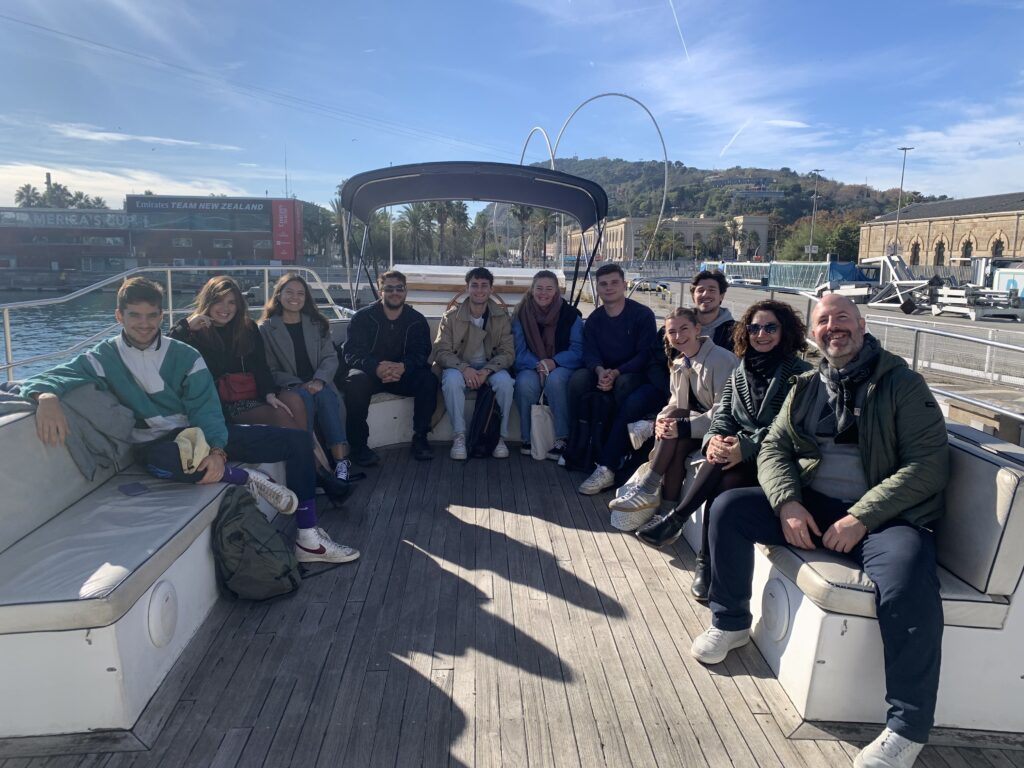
pixel 582 199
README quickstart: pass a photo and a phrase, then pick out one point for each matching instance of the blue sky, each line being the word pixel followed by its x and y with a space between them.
pixel 117 96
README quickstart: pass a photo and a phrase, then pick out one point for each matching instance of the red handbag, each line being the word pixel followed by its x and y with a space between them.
pixel 233 387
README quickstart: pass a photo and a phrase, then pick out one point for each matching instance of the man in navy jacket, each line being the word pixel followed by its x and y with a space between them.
pixel 618 339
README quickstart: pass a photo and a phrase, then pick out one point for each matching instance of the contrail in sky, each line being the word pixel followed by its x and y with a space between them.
pixel 679 29
pixel 735 136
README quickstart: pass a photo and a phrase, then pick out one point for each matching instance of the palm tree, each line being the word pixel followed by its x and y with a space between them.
pixel 458 221
pixel 753 241
pixel 718 239
pixel 522 214
pixel 733 227
pixel 543 217
pixel 480 223
pixel 100 203
pixel 439 212
pixel 57 196
pixel 27 196
pixel 416 224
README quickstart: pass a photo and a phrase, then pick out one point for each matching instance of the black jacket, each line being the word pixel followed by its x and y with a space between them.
pixel 360 346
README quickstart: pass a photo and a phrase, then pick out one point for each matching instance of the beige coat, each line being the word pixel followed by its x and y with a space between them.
pixel 710 369
pixel 457 337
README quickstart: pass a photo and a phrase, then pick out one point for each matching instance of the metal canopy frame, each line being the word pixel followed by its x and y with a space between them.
pixel 584 200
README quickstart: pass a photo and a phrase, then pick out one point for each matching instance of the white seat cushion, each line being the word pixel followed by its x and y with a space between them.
pixel 88 565
pixel 981 537
pixel 836 584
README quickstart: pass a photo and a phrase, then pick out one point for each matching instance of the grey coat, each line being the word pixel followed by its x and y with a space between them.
pixel 281 352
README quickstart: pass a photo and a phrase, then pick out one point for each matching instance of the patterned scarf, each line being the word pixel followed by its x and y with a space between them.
pixel 539 326
pixel 760 367
pixel 843 385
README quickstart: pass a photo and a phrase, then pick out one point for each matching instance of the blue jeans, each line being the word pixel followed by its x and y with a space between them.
pixel 249 443
pixel 453 387
pixel 899 558
pixel 556 394
pixel 327 411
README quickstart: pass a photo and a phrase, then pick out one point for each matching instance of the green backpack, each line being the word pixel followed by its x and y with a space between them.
pixel 254 561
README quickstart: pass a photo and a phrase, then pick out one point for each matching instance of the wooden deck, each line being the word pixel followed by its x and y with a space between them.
pixel 494 619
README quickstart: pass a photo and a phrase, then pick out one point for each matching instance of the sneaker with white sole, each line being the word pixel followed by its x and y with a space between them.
pixel 275 494
pixel 714 644
pixel 342 470
pixel 500 450
pixel 601 479
pixel 639 433
pixel 635 500
pixel 555 454
pixel 317 547
pixel 889 750
pixel 526 449
pixel 458 451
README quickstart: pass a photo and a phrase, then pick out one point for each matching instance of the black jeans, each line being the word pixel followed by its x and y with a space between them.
pixel 249 443
pixel 584 381
pixel 898 557
pixel 419 383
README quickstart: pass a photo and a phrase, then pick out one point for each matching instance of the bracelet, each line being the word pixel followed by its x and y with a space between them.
pixel 219 452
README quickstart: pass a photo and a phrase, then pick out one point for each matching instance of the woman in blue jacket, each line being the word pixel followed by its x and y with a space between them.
pixel 548 334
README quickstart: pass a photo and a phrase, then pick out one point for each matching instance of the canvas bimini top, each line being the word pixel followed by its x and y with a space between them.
pixel 582 199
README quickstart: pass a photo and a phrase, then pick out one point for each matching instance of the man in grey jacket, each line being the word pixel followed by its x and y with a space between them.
pixel 856 462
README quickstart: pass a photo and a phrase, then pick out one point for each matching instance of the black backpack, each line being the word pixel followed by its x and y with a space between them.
pixel 485 427
pixel 588 435
pixel 253 560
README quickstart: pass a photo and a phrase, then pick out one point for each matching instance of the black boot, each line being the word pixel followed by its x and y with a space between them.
pixel 336 490
pixel 662 530
pixel 701 578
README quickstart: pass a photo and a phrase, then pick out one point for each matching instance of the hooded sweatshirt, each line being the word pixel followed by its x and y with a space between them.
pixel 720 329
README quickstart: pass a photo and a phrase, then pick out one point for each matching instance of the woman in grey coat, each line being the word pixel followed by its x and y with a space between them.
pixel 302 359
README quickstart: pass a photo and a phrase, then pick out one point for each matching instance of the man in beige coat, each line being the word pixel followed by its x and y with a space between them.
pixel 473 346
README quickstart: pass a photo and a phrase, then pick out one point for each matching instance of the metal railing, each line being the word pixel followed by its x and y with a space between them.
pixel 314 280
pixel 939 355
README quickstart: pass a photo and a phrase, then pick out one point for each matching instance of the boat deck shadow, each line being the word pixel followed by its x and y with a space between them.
pixel 494 618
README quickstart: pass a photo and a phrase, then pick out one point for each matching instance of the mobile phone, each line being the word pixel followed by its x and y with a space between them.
pixel 133 489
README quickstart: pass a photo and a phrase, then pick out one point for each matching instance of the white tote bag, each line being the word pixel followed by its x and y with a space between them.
pixel 542 429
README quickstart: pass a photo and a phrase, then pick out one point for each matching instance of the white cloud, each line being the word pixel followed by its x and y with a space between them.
pixel 111 185
pixel 86 132
pixel 787 123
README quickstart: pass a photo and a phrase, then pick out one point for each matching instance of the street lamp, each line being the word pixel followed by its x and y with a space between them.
pixel 899 201
pixel 814 211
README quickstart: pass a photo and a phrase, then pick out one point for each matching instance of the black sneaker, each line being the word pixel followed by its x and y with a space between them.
pixel 364 456
pixel 342 470
pixel 555 454
pixel 421 450
pixel 336 490
pixel 525 449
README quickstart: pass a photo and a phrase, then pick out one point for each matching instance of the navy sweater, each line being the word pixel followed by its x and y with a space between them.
pixel 623 342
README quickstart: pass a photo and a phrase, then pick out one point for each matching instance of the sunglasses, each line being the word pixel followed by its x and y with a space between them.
pixel 393 289
pixel 755 328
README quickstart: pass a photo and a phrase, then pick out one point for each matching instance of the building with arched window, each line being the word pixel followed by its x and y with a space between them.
pixel 949 232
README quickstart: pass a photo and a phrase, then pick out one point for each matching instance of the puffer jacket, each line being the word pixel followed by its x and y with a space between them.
pixel 735 415
pixel 903 448
pixel 457 337
pixel 708 372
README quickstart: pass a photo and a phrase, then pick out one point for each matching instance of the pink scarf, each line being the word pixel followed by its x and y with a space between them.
pixel 539 326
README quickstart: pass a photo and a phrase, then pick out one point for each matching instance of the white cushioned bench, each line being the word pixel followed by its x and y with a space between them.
pixel 99 591
pixel 814 612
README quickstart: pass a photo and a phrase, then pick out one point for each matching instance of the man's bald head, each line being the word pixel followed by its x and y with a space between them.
pixel 838 329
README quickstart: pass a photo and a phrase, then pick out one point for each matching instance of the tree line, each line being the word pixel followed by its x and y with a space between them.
pixel 56 195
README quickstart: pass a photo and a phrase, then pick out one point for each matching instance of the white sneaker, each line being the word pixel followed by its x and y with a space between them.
pixel 889 750
pixel 635 500
pixel 639 433
pixel 317 547
pixel 458 451
pixel 500 450
pixel 279 497
pixel 714 645
pixel 601 479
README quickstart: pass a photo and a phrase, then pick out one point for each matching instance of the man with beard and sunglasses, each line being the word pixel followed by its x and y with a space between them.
pixel 386 350
pixel 855 462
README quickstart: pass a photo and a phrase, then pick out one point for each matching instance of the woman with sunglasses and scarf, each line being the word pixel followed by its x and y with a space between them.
pixel 768 340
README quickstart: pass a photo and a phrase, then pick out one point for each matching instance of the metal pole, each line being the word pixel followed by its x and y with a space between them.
pixel 266 287
pixel 899 201
pixel 8 353
pixel 814 211
pixel 917 340
pixel 391 240
pixel 170 301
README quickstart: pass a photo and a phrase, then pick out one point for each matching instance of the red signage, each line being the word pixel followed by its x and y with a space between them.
pixel 287 232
